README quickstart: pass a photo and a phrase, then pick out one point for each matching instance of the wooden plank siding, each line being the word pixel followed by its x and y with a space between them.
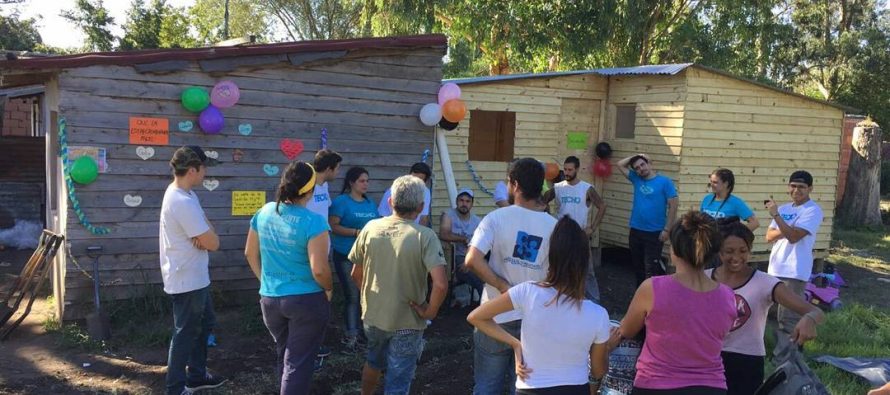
pixel 762 136
pixel 544 108
pixel 658 131
pixel 367 102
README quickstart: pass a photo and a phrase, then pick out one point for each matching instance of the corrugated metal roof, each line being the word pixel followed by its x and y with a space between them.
pixel 192 54
pixel 655 69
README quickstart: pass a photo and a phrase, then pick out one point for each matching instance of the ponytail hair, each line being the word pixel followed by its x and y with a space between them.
pixel 733 226
pixel 726 176
pixel 297 181
pixel 695 239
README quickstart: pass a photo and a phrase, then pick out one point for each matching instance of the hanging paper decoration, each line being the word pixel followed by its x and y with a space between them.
pixel 132 200
pixel 477 179
pixel 245 129
pixel 425 156
pixel 324 138
pixel 72 196
pixel 291 148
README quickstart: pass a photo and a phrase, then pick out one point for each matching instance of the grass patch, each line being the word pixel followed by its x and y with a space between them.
pixel 142 321
pixel 71 336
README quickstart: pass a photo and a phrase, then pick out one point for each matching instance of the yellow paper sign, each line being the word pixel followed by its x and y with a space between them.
pixel 247 202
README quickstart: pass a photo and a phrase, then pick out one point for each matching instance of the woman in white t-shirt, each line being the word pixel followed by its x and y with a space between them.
pixel 549 362
pixel 755 291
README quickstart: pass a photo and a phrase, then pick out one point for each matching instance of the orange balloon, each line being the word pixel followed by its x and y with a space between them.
pixel 551 171
pixel 454 110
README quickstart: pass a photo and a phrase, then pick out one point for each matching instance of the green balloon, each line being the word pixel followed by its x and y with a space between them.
pixel 195 99
pixel 84 170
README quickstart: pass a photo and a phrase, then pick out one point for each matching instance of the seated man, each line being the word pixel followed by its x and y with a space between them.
pixel 457 226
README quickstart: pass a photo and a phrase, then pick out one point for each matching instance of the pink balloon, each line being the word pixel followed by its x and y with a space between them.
pixel 224 94
pixel 448 92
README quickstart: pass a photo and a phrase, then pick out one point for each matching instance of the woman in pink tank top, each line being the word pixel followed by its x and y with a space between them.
pixel 686 316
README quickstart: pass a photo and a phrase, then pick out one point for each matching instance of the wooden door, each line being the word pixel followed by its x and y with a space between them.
pixel 579 132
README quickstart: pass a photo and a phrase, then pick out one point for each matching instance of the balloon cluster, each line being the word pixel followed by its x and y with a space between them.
pixel 448 111
pixel 223 95
pixel 602 167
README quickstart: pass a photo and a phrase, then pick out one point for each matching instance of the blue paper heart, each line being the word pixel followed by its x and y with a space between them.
pixel 245 129
pixel 186 126
pixel 270 170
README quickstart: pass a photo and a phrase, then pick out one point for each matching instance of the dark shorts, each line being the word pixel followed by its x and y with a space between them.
pixel 581 389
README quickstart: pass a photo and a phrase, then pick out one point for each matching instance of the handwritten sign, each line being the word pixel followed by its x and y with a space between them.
pixel 576 140
pixel 149 131
pixel 247 202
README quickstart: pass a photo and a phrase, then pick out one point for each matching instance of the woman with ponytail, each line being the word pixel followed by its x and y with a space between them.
pixel 567 364
pixel 721 203
pixel 755 292
pixel 287 250
pixel 687 315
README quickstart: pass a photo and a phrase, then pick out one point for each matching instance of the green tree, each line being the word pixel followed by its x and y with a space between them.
pixel 143 26
pixel 246 18
pixel 175 30
pixel 18 34
pixel 321 19
pixel 95 21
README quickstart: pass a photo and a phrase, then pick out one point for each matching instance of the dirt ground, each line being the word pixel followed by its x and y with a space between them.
pixel 33 361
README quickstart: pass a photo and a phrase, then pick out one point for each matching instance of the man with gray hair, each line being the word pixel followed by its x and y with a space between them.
pixel 392 256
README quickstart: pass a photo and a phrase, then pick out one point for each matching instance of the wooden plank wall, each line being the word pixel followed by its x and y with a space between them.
pixel 540 121
pixel 762 136
pixel 369 102
pixel 660 105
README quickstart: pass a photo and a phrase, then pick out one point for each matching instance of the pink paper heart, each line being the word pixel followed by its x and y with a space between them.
pixel 291 148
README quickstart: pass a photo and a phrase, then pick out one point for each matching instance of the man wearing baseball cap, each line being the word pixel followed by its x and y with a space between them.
pixel 186 236
pixel 457 226
pixel 793 230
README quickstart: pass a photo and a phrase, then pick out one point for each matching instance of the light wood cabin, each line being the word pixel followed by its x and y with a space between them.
pixel 367 93
pixel 690 119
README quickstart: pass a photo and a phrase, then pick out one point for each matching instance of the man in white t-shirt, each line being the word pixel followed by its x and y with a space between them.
pixel 422 171
pixel 793 230
pixel 518 238
pixel 574 198
pixel 185 238
pixel 327 165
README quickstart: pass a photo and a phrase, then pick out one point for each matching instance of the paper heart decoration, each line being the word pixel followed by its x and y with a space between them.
pixel 186 126
pixel 211 184
pixel 245 129
pixel 132 200
pixel 291 148
pixel 271 170
pixel 212 154
pixel 145 152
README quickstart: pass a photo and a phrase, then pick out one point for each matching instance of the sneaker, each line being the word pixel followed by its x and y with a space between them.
pixel 323 351
pixel 207 382
pixel 319 364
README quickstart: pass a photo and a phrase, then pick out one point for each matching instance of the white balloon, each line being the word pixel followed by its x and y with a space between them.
pixel 431 114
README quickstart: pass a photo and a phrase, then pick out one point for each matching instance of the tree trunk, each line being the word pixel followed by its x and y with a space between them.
pixel 861 203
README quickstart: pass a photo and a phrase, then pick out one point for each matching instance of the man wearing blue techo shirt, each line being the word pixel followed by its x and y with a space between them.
pixel 649 227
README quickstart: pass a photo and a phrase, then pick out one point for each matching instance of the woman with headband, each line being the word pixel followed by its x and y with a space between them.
pixel 287 249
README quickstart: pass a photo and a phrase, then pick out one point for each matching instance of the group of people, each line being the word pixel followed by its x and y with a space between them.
pixel 539 327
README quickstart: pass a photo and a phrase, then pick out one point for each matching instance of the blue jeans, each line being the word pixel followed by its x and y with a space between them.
pixel 296 323
pixel 193 319
pixel 396 353
pixel 493 365
pixel 467 277
pixel 352 308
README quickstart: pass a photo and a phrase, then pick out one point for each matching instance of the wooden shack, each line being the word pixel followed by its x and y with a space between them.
pixel 365 93
pixel 690 119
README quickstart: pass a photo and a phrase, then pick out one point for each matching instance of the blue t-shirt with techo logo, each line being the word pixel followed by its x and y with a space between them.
pixel 353 215
pixel 284 248
pixel 649 211
pixel 734 207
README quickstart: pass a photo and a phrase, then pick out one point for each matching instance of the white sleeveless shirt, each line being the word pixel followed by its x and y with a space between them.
pixel 573 201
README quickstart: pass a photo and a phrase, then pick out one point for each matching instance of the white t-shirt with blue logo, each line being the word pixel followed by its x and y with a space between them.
pixel 795 260
pixel 519 241
pixel 321 201
pixel 733 207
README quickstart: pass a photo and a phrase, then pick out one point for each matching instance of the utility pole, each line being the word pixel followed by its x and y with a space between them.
pixel 226 22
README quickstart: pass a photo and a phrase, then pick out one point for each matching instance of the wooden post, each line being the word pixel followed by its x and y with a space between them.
pixel 861 203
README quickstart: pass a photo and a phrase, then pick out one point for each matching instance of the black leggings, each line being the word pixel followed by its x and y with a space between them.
pixel 580 389
pixel 744 373
pixel 696 390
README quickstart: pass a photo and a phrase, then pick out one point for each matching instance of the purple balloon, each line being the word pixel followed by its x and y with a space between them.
pixel 448 92
pixel 211 120
pixel 224 94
